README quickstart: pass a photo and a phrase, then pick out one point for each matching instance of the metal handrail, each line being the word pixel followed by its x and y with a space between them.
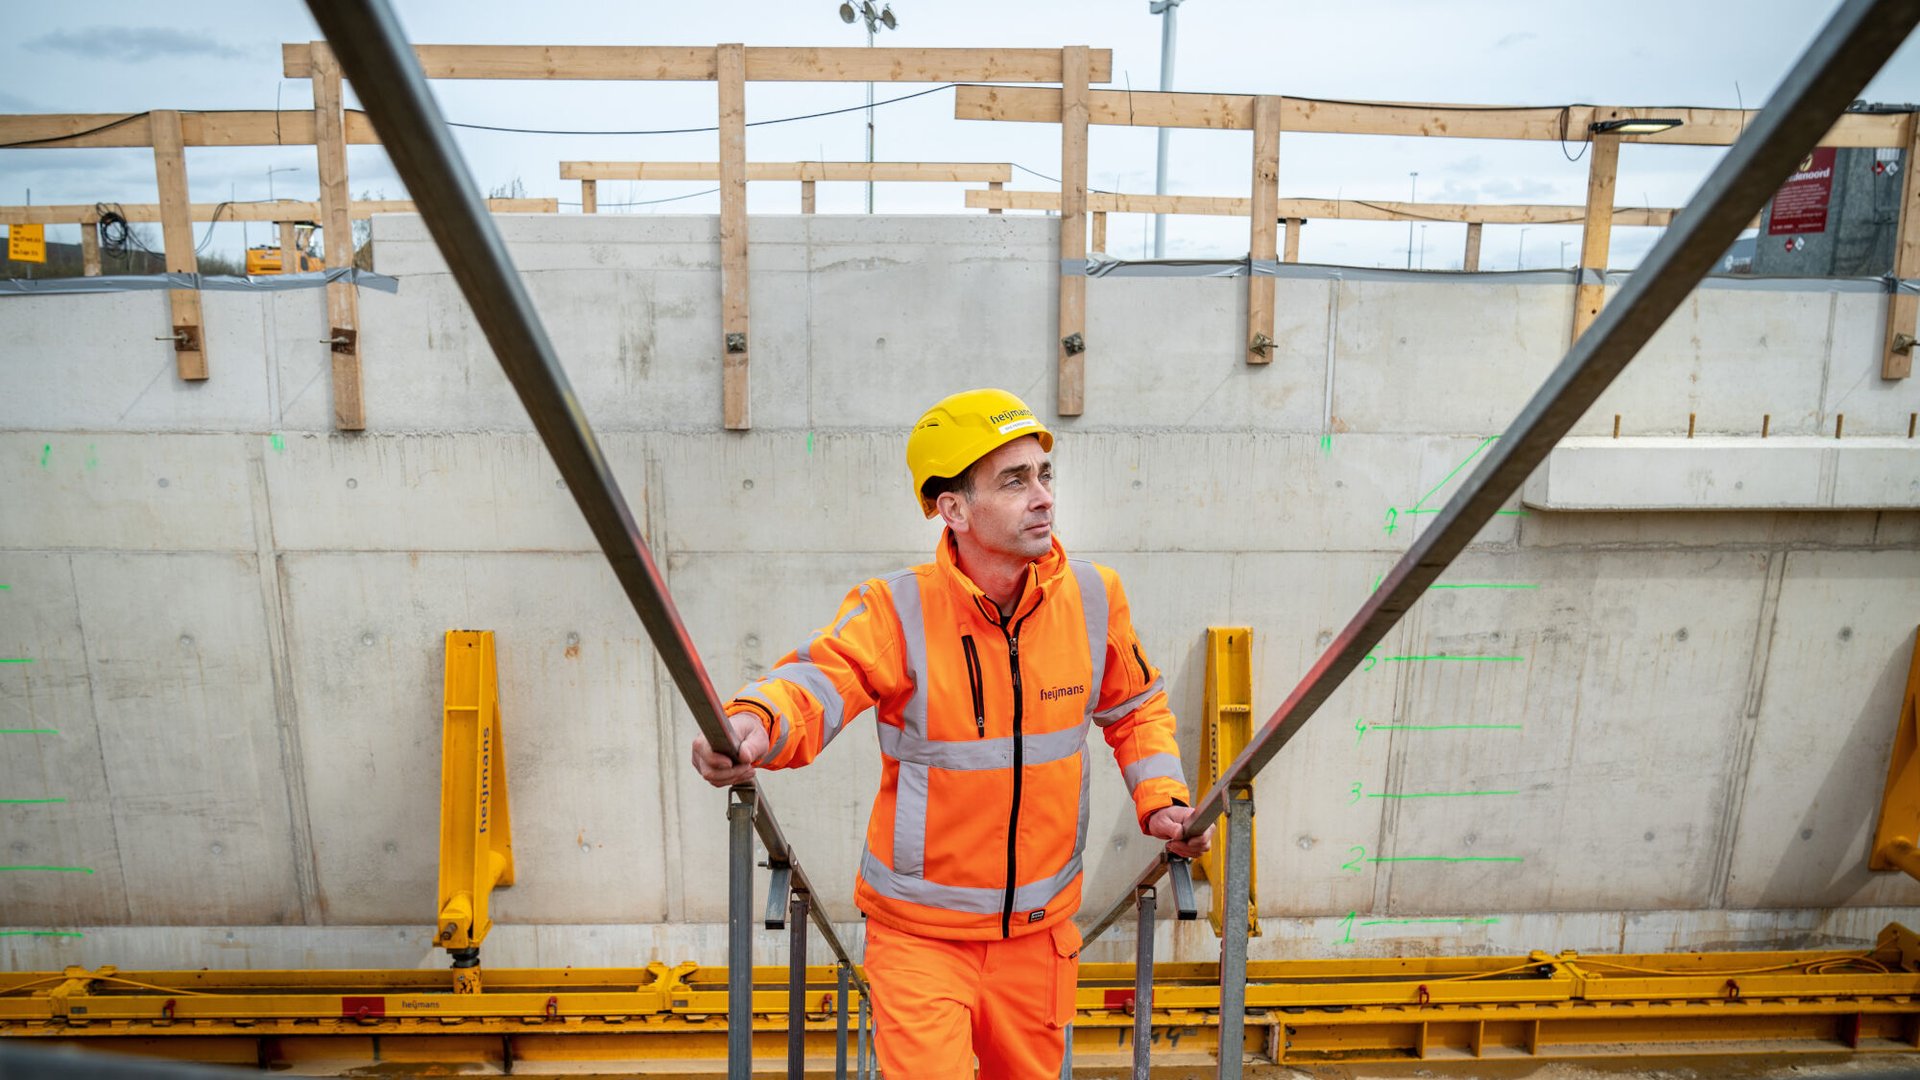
pixel 374 54
pixel 1832 71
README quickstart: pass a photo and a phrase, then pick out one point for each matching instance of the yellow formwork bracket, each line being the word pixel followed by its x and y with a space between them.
pixel 476 833
pixel 1896 842
pixel 1226 729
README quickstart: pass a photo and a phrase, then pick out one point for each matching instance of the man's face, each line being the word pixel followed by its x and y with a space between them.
pixel 1011 512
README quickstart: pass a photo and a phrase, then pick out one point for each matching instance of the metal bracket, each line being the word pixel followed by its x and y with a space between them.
pixel 778 891
pixel 185 338
pixel 343 339
pixel 1902 343
pixel 736 343
pixel 1074 344
pixel 1262 346
pixel 1183 905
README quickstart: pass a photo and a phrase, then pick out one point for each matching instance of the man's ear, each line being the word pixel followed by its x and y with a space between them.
pixel 953 510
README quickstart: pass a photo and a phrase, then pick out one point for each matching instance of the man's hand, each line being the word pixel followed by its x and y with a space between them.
pixel 1166 823
pixel 722 771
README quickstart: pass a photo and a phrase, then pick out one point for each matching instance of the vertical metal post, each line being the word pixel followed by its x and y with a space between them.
pixel 1066 1053
pixel 1233 933
pixel 740 935
pixel 840 1028
pixel 866 1040
pixel 1143 989
pixel 797 985
pixel 1168 10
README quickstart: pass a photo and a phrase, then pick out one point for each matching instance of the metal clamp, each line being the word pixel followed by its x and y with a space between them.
pixel 736 343
pixel 185 338
pixel 1074 344
pixel 1902 343
pixel 1182 874
pixel 343 340
pixel 1262 345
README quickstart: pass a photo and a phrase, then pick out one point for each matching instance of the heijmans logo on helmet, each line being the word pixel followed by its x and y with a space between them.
pixel 1010 414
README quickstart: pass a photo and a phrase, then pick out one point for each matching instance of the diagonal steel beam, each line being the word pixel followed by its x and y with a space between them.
pixel 1846 53
pixel 375 56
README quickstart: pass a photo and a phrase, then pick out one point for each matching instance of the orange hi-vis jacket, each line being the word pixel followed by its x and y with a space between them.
pixel 981 821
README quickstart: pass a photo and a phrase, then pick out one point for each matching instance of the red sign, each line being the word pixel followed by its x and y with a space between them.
pixel 1801 204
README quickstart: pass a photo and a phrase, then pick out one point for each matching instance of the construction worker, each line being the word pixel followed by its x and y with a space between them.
pixel 985 668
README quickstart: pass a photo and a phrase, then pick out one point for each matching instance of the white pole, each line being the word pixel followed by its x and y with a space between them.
pixel 869 122
pixel 1167 9
pixel 1412 196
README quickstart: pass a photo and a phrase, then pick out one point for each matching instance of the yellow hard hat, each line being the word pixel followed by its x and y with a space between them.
pixel 963 428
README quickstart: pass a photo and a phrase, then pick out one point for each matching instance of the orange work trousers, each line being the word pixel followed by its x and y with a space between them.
pixel 939 1004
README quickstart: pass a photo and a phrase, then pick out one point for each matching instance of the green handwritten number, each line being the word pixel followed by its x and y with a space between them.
pixel 1393 519
pixel 1346 929
pixel 1352 866
pixel 1360 726
pixel 1373 658
pixel 1356 793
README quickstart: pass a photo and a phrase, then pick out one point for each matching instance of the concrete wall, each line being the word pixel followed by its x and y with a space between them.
pixel 234 614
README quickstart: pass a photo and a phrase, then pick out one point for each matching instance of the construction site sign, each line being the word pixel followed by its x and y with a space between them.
pixel 1800 206
pixel 27 243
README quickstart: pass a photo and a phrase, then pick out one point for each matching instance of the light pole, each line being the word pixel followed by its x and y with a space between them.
pixel 1413 195
pixel 1520 263
pixel 1167 10
pixel 1423 246
pixel 1563 253
pixel 876 21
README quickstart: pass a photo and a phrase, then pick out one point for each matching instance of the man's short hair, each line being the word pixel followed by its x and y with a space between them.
pixel 961 485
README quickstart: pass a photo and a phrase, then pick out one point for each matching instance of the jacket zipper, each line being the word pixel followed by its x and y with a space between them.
pixel 1144 677
pixel 1013 819
pixel 973 683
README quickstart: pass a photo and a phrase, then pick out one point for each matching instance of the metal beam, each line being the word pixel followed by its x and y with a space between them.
pixel 1829 75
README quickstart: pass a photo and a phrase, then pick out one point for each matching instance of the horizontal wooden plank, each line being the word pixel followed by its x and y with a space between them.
pixel 1234 112
pixel 964 172
pixel 278 210
pixel 1317 209
pixel 681 63
pixel 239 127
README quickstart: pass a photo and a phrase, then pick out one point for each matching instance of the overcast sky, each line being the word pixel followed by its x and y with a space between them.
pixel 118 55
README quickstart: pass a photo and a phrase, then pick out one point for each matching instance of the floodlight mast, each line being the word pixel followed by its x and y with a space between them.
pixel 1166 9
pixel 883 19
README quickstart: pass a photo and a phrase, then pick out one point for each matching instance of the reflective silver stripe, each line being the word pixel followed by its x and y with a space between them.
pixel 977 754
pixel 1152 767
pixel 1086 803
pixel 813 680
pixel 1122 710
pixel 910 819
pixel 834 630
pixel 970 899
pixel 786 727
pixel 1093 605
pixel 905 590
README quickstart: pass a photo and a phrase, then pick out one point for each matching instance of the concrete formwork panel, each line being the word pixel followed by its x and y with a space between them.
pixel 176 651
pixel 576 684
pixel 1839 652
pixel 125 492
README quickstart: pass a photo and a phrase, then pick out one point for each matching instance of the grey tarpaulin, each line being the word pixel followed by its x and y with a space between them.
pixel 113 283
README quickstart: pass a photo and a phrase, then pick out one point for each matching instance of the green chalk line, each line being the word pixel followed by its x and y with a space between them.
pixel 1483 659
pixel 4 588
pixel 1484 443
pixel 55 869
pixel 1448 858
pixel 16 659
pixel 1434 794
pixel 1443 727
pixel 28 802
pixel 41 933
pixel 28 731
pixel 1417 922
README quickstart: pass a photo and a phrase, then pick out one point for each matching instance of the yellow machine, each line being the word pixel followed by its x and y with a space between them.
pixel 265 258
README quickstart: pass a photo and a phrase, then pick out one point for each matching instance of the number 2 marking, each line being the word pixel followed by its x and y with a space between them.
pixel 1352 865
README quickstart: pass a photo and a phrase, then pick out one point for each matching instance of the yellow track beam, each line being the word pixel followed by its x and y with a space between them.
pixel 1226 729
pixel 1896 842
pixel 476 833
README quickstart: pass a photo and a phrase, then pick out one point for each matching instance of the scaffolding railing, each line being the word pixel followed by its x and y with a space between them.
pixel 1832 71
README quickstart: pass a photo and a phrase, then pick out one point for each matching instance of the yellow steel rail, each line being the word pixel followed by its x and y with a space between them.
pixel 476 831
pixel 1226 729
pixel 1896 841
pixel 671 1020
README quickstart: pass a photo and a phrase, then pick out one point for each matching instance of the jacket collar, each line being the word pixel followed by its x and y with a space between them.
pixel 1043 576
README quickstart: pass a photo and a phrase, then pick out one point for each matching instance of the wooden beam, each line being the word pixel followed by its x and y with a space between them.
pixel 176 234
pixel 289 247
pixel 995 185
pixel 1292 252
pixel 697 64
pixel 1226 112
pixel 343 298
pixel 90 249
pixel 277 210
pixel 1603 166
pixel 1264 230
pixel 806 196
pixel 1099 231
pixel 589 196
pixel 243 127
pixel 1896 357
pixel 963 172
pixel 730 63
pixel 1471 261
pixel 1071 346
pixel 1341 209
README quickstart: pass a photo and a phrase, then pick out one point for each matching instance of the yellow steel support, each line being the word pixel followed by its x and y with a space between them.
pixel 1447 1013
pixel 1226 729
pixel 476 833
pixel 1896 843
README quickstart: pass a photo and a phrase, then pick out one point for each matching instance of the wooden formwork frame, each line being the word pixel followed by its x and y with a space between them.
pixel 806 173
